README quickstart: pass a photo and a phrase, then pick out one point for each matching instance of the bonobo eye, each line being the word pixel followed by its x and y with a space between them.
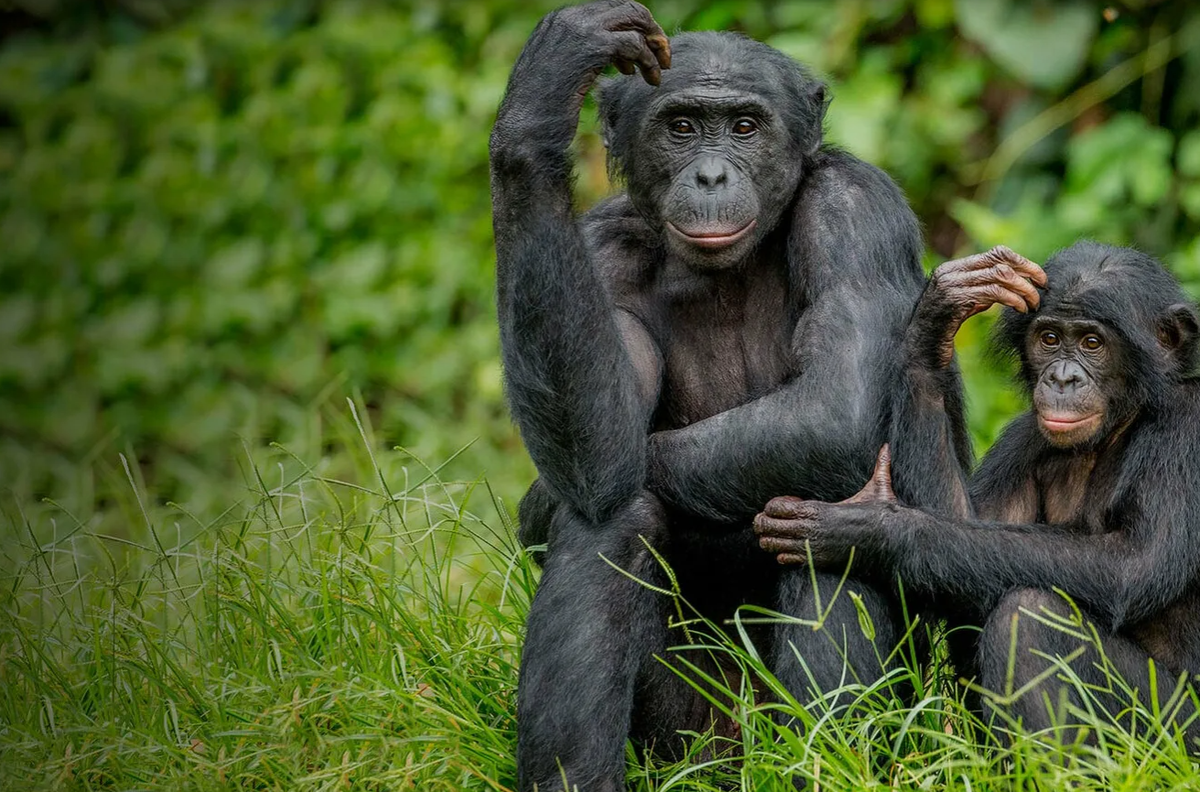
pixel 1049 339
pixel 1091 342
pixel 681 126
pixel 744 126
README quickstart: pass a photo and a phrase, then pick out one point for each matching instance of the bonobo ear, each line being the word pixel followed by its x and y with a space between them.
pixel 818 92
pixel 609 103
pixel 818 97
pixel 1179 332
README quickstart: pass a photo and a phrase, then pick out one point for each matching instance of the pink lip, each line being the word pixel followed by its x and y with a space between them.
pixel 1067 423
pixel 710 241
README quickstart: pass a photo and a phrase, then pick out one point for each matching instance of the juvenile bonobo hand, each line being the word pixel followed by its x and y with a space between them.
pixel 830 529
pixel 959 289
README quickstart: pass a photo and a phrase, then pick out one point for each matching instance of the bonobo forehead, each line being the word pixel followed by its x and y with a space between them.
pixel 1114 285
pixel 716 68
pixel 1119 287
pixel 730 63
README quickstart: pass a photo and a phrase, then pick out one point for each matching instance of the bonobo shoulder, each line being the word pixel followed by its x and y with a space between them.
pixel 1178 415
pixel 621 243
pixel 837 174
pixel 854 208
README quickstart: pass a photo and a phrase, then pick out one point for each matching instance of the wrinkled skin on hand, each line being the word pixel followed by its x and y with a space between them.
pixel 795 529
pixel 959 289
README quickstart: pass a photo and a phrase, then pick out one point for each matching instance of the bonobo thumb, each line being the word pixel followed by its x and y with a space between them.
pixel 878 488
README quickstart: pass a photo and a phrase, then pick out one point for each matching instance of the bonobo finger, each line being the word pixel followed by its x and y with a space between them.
pixel 775 527
pixel 631 16
pixel 624 66
pixel 1022 265
pixel 957 267
pixel 998 274
pixel 775 544
pixel 984 261
pixel 791 559
pixel 661 47
pixel 997 293
pixel 631 46
pixel 878 488
pixel 784 506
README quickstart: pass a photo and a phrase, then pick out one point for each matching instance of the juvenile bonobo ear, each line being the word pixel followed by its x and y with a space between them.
pixel 1179 332
pixel 879 488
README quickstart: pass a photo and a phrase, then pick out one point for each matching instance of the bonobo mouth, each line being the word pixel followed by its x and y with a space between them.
pixel 712 240
pixel 1060 423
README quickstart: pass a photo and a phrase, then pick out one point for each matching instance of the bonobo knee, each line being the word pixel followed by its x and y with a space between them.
pixel 1032 600
pixel 620 539
pixel 1037 614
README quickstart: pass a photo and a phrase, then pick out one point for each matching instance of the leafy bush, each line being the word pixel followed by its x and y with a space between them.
pixel 225 225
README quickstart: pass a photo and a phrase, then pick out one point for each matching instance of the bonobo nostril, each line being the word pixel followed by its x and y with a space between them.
pixel 711 172
pixel 1063 376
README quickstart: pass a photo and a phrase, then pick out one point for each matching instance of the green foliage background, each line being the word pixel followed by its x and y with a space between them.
pixel 221 220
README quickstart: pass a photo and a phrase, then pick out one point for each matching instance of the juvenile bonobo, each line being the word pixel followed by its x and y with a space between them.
pixel 722 331
pixel 1094 492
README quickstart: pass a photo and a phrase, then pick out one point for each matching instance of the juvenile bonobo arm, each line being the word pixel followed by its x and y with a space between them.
pixel 930 451
pixel 854 267
pixel 574 389
pixel 1121 577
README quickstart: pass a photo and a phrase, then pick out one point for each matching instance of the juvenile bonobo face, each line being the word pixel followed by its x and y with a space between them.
pixel 1075 370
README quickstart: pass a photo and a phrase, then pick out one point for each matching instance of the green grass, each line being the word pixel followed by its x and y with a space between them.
pixel 354 622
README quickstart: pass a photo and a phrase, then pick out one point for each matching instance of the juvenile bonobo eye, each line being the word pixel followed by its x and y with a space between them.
pixel 744 126
pixel 1049 339
pixel 681 127
pixel 1092 342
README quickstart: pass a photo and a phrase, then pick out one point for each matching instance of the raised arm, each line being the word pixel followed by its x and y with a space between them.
pixel 854 259
pixel 578 373
pixel 930 450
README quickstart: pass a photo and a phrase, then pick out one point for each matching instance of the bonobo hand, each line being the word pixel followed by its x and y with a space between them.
pixel 560 62
pixel 830 529
pixel 579 41
pixel 959 289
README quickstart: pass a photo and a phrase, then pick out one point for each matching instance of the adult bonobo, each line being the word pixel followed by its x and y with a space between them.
pixel 1094 492
pixel 721 332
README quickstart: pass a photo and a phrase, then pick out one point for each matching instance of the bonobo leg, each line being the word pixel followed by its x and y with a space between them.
pixel 811 663
pixel 590 630
pixel 1036 692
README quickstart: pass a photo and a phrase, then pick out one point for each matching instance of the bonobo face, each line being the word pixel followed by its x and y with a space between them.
pixel 713 156
pixel 723 173
pixel 1074 363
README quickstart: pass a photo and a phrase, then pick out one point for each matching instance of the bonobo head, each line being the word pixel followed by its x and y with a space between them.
pixel 713 156
pixel 1114 331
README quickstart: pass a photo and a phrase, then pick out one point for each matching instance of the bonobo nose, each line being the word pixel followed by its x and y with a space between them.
pixel 1064 376
pixel 711 172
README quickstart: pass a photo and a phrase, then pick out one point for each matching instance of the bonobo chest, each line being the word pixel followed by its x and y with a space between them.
pixel 727 341
pixel 1074 489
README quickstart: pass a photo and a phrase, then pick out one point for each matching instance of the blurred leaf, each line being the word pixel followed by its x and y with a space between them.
pixel 1041 42
pixel 1189 154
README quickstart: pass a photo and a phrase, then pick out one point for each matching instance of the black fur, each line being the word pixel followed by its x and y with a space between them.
pixel 666 392
pixel 1112 520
